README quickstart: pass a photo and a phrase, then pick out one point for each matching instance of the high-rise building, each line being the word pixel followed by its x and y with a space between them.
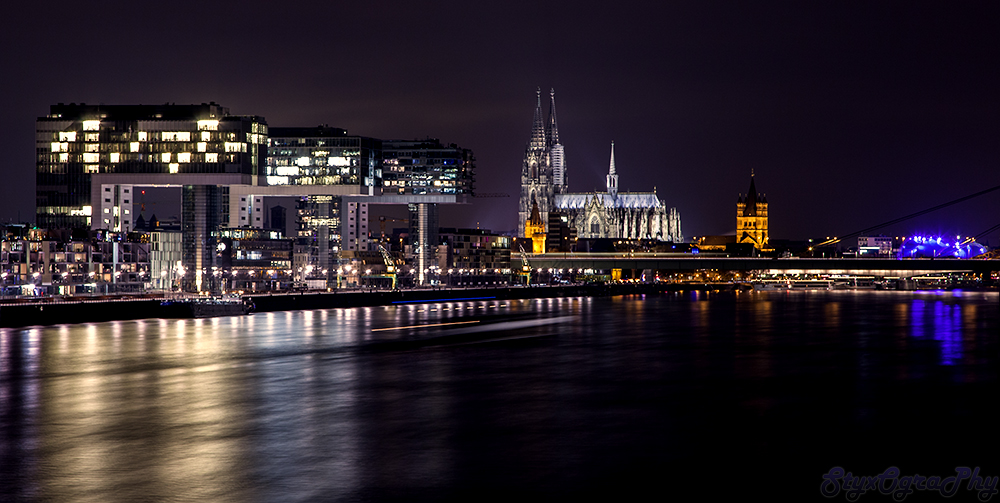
pixel 90 159
pixel 338 177
pixel 111 148
pixel 323 155
pixel 426 167
pixel 751 218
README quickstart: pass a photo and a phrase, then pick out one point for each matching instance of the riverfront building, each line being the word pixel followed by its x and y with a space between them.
pixel 593 215
pixel 89 157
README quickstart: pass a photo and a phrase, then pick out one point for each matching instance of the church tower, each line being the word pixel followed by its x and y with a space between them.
pixel 612 175
pixel 534 228
pixel 751 217
pixel 543 172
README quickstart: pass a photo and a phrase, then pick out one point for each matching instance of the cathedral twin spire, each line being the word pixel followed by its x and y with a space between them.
pixel 544 134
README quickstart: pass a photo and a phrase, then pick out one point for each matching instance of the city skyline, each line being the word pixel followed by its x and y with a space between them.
pixel 849 117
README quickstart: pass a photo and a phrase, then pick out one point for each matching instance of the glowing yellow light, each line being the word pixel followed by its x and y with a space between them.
pixel 174 167
pixel 165 157
pixel 211 157
pixel 142 136
pixel 175 136
pixel 133 147
pixel 184 157
pixel 91 157
pixel 202 146
pixel 91 125
pixel 67 136
pixel 211 125
pixel 114 157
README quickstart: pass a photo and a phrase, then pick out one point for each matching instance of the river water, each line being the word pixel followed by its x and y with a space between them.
pixel 558 399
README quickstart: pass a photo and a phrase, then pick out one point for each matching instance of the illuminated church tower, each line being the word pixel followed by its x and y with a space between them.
pixel 751 218
pixel 534 228
pixel 543 173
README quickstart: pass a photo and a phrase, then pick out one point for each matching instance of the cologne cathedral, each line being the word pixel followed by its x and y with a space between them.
pixel 609 214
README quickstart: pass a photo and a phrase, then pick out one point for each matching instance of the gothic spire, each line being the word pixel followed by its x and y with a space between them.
pixel 612 175
pixel 538 127
pixel 612 170
pixel 553 126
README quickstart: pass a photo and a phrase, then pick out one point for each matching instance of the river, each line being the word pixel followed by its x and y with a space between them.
pixel 554 399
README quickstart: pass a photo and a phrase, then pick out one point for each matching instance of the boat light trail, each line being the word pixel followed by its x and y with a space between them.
pixel 428 325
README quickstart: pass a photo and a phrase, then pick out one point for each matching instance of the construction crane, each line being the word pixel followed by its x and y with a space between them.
pixel 525 266
pixel 390 266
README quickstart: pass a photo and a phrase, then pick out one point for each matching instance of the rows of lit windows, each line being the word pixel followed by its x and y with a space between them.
pixel 165 136
pixel 119 157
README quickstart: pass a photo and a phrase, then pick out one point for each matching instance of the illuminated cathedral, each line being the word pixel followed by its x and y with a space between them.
pixel 608 214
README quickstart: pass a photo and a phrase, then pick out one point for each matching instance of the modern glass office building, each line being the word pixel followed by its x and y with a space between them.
pixel 182 142
pixel 426 167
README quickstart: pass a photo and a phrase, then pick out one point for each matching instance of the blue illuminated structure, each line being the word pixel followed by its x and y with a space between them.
pixel 939 247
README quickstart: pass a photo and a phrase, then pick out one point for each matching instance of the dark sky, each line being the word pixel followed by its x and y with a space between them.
pixel 850 114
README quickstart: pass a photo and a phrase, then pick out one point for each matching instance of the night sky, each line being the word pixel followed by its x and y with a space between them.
pixel 850 114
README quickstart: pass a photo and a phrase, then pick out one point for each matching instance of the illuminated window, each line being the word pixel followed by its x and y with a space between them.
pixel 114 157
pixel 56 146
pixel 277 180
pixel 202 146
pixel 91 125
pixel 339 161
pixel 91 168
pixel 286 171
pixel 184 157
pixel 206 136
pixel 91 157
pixel 174 167
pixel 143 136
pixel 133 147
pixel 211 125
pixel 67 136
pixel 165 157
pixel 211 157
pixel 92 137
pixel 64 157
pixel 93 147
pixel 175 136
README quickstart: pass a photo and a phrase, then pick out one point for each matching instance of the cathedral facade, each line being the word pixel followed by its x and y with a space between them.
pixel 608 214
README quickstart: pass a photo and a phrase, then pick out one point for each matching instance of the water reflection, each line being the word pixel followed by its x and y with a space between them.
pixel 942 320
pixel 551 394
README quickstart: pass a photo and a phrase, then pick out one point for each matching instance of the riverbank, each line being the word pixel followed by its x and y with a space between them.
pixel 69 310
